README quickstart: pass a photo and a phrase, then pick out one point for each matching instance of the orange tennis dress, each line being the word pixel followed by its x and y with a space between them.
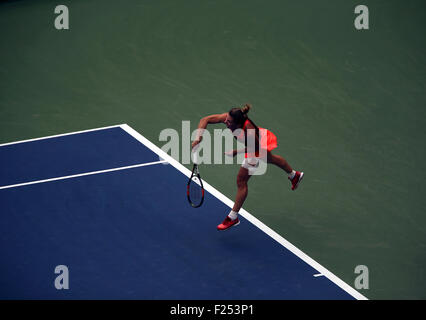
pixel 268 140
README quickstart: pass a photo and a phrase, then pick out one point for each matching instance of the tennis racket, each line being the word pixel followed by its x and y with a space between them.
pixel 195 189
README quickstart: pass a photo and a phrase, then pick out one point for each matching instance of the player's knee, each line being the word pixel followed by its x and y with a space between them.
pixel 241 182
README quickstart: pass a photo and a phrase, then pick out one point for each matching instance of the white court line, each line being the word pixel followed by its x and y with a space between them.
pixel 59 135
pixel 82 174
pixel 323 271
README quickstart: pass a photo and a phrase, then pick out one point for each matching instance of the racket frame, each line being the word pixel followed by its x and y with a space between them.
pixel 195 173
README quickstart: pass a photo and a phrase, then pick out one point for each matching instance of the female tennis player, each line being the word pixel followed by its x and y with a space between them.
pixel 264 139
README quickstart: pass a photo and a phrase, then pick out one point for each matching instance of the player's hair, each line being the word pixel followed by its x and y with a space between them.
pixel 239 115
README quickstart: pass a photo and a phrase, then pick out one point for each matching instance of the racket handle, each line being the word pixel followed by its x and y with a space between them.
pixel 195 157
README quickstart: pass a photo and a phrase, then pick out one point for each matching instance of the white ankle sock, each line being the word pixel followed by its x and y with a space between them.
pixel 292 174
pixel 233 215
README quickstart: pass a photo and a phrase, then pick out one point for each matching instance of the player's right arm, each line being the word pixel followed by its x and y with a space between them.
pixel 211 119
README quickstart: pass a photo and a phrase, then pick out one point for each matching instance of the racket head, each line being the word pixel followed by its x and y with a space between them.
pixel 195 189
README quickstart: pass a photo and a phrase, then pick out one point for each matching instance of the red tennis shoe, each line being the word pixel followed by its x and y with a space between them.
pixel 296 180
pixel 227 223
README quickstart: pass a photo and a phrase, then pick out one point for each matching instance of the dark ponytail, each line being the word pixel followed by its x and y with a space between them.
pixel 239 115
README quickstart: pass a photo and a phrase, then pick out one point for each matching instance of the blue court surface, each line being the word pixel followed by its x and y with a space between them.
pixel 103 203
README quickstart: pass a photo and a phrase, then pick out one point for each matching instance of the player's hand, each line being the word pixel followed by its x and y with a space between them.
pixel 231 153
pixel 197 141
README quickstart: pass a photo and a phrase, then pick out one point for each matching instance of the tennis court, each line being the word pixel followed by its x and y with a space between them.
pixel 112 207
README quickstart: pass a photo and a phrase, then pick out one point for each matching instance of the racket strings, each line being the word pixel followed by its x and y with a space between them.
pixel 195 192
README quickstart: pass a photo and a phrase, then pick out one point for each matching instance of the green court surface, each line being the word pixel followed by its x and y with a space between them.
pixel 347 106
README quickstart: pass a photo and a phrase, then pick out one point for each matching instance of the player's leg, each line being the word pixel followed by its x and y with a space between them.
pixel 294 176
pixel 279 161
pixel 242 191
pixel 242 188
